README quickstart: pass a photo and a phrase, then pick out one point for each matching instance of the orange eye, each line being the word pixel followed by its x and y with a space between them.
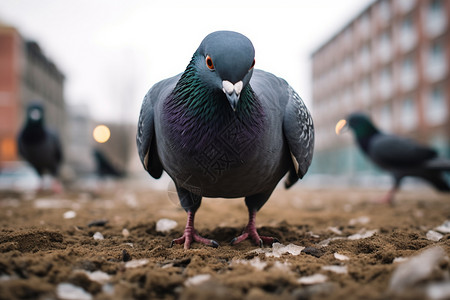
pixel 209 62
pixel 253 64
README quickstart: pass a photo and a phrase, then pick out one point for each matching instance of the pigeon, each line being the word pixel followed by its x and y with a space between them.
pixel 39 145
pixel 223 129
pixel 399 156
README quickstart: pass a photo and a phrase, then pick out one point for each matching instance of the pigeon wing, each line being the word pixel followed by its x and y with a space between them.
pixel 298 128
pixel 396 151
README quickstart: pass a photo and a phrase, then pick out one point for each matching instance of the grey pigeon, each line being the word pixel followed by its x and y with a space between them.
pixel 39 145
pixel 223 129
pixel 400 156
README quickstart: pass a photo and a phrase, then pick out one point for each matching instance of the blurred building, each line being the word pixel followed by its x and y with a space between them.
pixel 26 75
pixel 393 62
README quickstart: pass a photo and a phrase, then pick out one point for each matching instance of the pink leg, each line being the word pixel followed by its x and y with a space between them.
pixel 250 232
pixel 389 197
pixel 190 235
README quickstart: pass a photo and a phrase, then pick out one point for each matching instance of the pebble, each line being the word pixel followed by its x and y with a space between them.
pixel 313 251
pixel 98 236
pixel 126 256
pixel 416 269
pixel 98 223
pixel 197 279
pixel 439 291
pixel 313 279
pixel 434 236
pixel 68 291
pixel 165 225
pixel 359 220
pixel 136 263
pixel 69 214
pixel 98 276
pixel 362 234
pixel 336 269
pixel 335 230
pixel 444 228
pixel 125 233
pixel 254 262
pixel 340 256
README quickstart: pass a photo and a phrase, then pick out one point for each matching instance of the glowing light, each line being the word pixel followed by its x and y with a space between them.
pixel 101 134
pixel 340 125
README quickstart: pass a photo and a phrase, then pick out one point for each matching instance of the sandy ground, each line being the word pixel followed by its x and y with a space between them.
pixel 353 246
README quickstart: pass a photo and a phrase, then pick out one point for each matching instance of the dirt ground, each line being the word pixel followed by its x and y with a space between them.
pixel 47 245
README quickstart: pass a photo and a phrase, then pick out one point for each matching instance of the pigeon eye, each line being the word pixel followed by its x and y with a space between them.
pixel 209 62
pixel 253 64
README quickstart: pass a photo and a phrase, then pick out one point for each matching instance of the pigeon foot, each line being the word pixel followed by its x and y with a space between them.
pixel 251 233
pixel 190 235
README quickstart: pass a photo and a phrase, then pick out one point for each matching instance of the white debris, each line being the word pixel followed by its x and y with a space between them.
pixel 416 269
pixel 98 276
pixel 131 200
pixel 362 234
pixel 313 279
pixel 47 203
pixel 336 269
pixel 359 220
pixel 129 244
pixel 444 228
pixel 254 262
pixel 335 230
pixel 197 279
pixel 125 233
pixel 136 263
pixel 282 266
pixel 70 214
pixel 341 256
pixel 5 277
pixel 434 236
pixel 165 225
pixel 98 236
pixel 279 249
pixel 68 291
pixel 439 291
pixel 313 234
pixel 399 259
pixel 326 242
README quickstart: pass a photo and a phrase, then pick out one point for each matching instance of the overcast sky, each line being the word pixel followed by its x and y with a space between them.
pixel 113 51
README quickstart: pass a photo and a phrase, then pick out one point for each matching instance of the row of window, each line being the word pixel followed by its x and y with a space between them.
pixel 405 36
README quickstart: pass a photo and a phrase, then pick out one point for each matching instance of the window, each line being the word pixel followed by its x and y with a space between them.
pixel 436 112
pixel 386 118
pixel 407 34
pixel 408 114
pixel 408 74
pixel 406 5
pixel 436 63
pixel 435 18
pixel 384 46
pixel 385 83
pixel 384 10
pixel 364 57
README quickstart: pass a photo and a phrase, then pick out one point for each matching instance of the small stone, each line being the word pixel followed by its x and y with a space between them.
pixel 313 279
pixel 126 256
pixel 136 263
pixel 98 223
pixel 439 291
pixel 68 291
pixel 336 269
pixel 313 251
pixel 434 236
pixel 98 236
pixel 362 234
pixel 165 225
pixel 197 279
pixel 335 230
pixel 359 220
pixel 444 228
pixel 69 214
pixel 125 233
pixel 340 256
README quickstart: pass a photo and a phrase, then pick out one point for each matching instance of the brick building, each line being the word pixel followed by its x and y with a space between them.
pixel 26 75
pixel 392 61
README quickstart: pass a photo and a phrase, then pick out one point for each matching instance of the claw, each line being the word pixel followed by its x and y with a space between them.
pixel 214 244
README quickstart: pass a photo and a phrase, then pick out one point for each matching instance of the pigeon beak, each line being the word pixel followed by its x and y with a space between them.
pixel 342 124
pixel 233 92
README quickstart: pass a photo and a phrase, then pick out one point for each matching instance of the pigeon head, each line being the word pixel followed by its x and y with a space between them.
pixel 35 114
pixel 360 123
pixel 224 62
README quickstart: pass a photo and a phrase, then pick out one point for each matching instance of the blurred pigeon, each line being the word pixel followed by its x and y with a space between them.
pixel 400 156
pixel 39 145
pixel 223 129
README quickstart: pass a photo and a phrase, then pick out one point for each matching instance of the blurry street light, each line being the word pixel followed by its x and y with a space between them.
pixel 101 134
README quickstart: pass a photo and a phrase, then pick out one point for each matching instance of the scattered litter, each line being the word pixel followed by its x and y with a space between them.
pixel 98 276
pixel 416 269
pixel 362 234
pixel 98 223
pixel 313 235
pixel 129 244
pixel 283 266
pixel 444 228
pixel 399 259
pixel 434 236
pixel 335 230
pixel 126 256
pixel 254 262
pixel 5 277
pixel 197 279
pixel 136 263
pixel 47 203
pixel 279 249
pixel 341 256
pixel 98 236
pixel 165 225
pixel 359 220
pixel 326 242
pixel 439 291
pixel 69 214
pixel 313 279
pixel 125 233
pixel 336 269
pixel 68 291
pixel 313 251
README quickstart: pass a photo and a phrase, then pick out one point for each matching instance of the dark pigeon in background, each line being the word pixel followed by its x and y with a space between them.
pixel 39 145
pixel 400 156
pixel 223 129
